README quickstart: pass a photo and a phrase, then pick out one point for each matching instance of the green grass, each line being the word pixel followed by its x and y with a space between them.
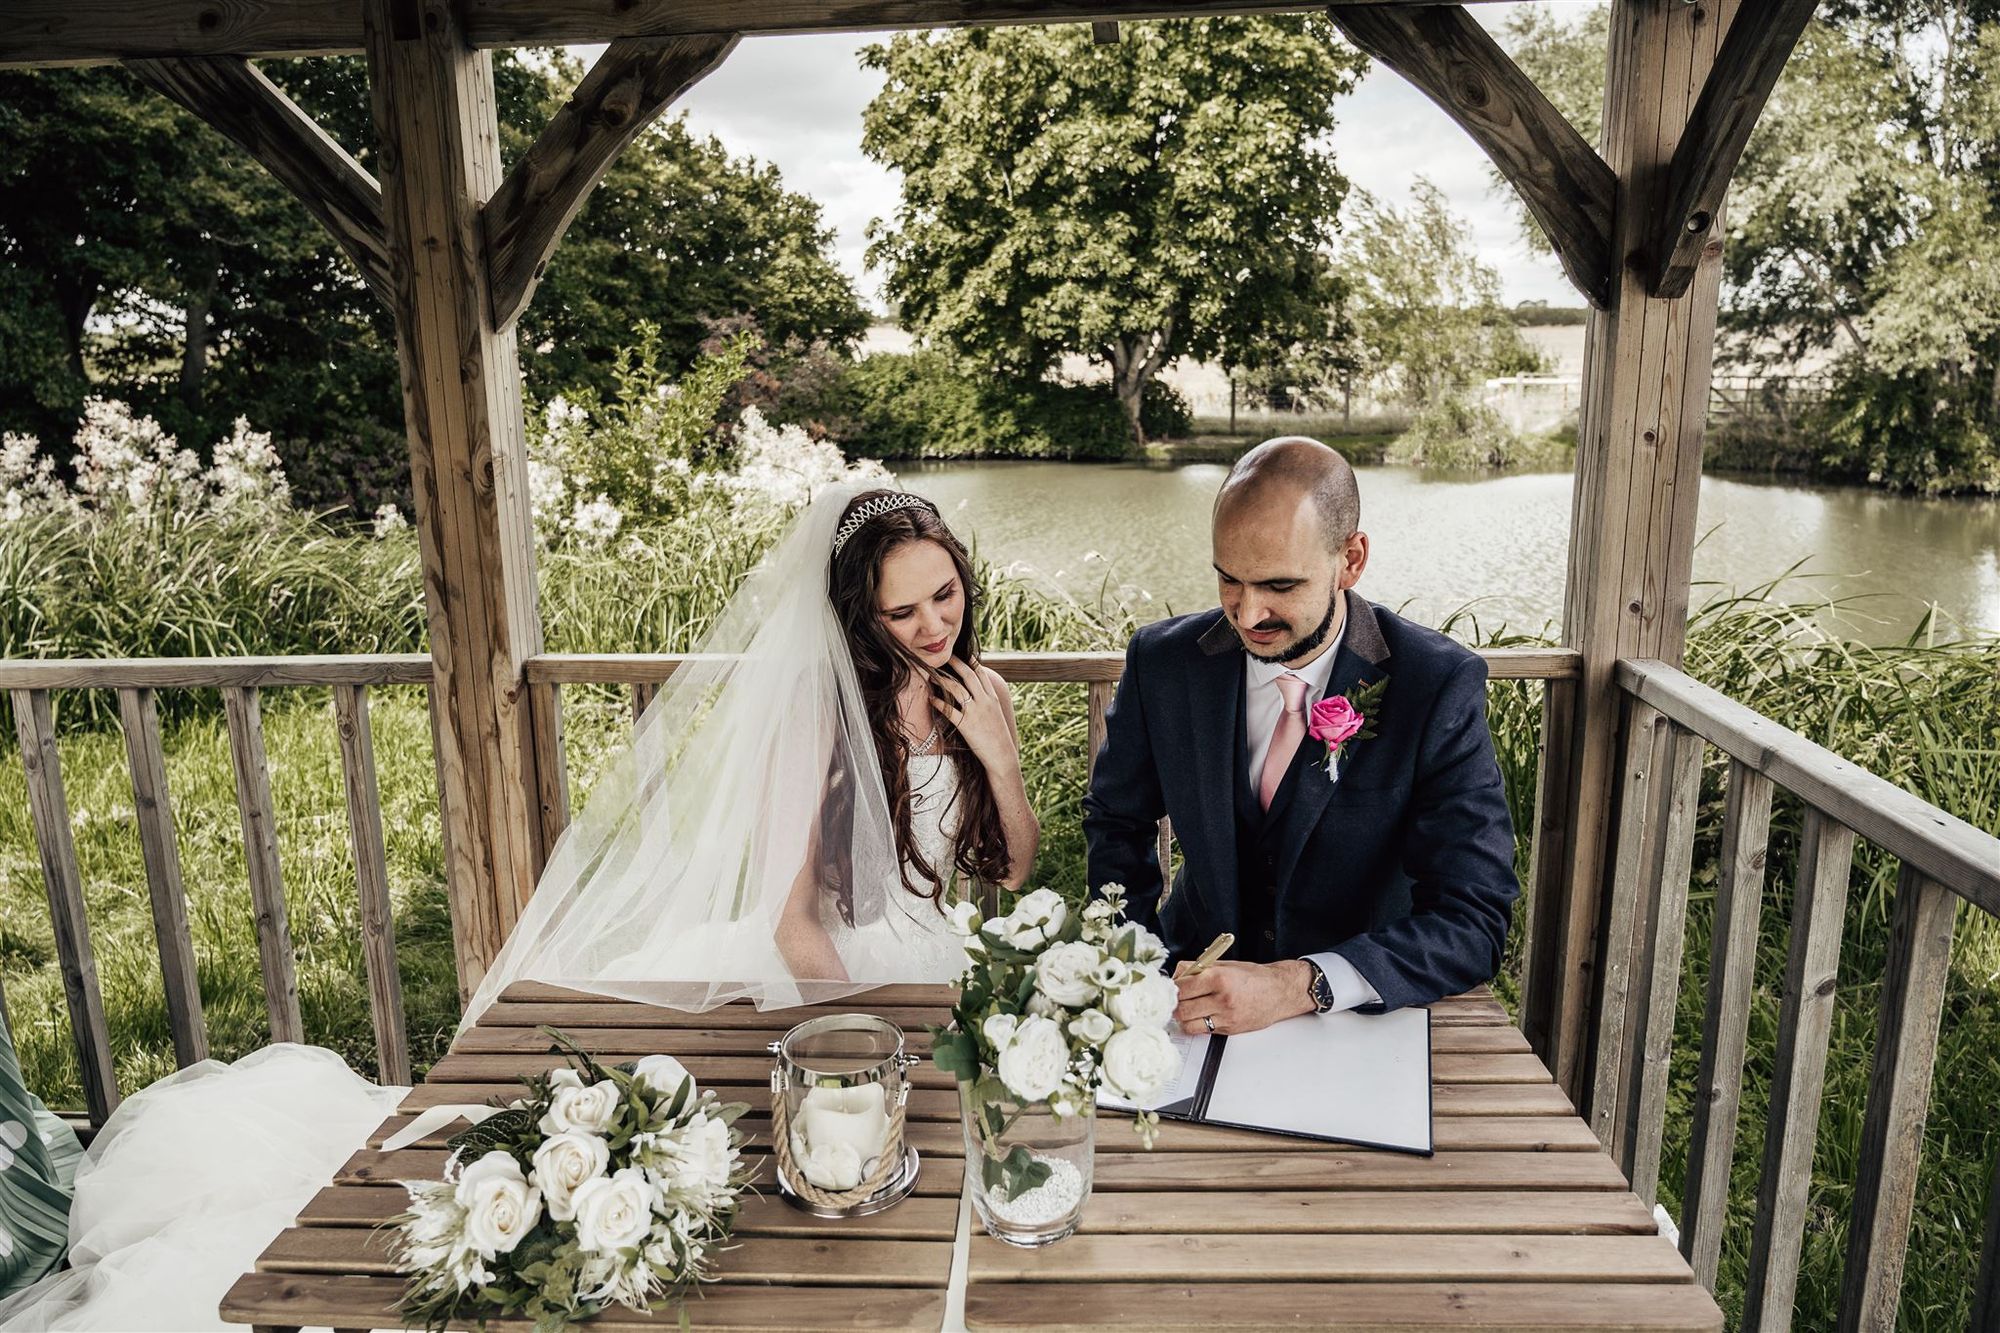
pixel 1928 719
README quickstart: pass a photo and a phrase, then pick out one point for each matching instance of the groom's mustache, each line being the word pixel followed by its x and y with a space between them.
pixel 1270 625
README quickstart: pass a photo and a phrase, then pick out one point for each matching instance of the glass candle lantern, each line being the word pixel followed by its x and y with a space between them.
pixel 838 1095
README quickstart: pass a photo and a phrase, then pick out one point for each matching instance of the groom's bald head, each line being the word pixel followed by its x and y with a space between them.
pixel 1278 474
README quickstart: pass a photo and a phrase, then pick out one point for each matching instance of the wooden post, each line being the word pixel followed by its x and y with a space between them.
pixel 1638 465
pixel 440 161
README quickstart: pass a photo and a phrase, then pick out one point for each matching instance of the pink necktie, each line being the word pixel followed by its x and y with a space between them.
pixel 1285 738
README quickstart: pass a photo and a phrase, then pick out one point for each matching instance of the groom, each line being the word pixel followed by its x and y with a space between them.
pixel 1384 885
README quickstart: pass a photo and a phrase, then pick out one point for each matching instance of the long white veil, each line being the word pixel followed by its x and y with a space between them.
pixel 667 888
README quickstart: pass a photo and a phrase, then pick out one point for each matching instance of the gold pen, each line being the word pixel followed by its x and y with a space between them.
pixel 1212 953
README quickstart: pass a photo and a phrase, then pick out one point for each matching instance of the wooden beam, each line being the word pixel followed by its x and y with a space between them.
pixel 237 99
pixel 1458 65
pixel 1104 34
pixel 632 82
pixel 1732 97
pixel 1644 403
pixel 75 32
pixel 440 160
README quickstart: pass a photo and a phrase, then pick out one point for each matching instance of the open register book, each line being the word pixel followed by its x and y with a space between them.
pixel 1353 1078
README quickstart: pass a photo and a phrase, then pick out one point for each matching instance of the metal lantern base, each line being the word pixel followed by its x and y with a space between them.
pixel 898 1189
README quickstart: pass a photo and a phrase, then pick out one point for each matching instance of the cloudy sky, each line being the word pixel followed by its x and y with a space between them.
pixel 796 102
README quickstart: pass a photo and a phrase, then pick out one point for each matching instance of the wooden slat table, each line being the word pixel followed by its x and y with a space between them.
pixel 1520 1221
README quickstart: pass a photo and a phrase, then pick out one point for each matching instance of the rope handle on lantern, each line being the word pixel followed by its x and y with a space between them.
pixel 886 1166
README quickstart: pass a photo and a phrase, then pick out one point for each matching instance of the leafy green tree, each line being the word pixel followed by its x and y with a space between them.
pixel 1864 223
pixel 1172 194
pixel 142 257
pixel 1423 310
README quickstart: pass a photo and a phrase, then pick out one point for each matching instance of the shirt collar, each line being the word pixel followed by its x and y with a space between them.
pixel 1315 673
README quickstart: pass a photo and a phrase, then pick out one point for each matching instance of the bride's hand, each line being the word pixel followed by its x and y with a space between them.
pixel 974 705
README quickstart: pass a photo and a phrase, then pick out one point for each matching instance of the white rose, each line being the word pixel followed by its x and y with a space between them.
pixel 1112 974
pixel 1038 918
pixel 832 1166
pixel 1139 1061
pixel 964 918
pixel 565 1078
pixel 998 1029
pixel 1036 1059
pixel 1093 1027
pixel 1042 1006
pixel 1147 1003
pixel 588 1108
pixel 615 1212
pixel 565 1161
pixel 500 1205
pixel 662 1073
pixel 1063 973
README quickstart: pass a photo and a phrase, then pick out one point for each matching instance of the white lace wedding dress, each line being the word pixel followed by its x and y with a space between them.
pixel 911 941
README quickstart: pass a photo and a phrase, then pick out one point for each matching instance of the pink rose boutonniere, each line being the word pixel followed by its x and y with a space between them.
pixel 1337 720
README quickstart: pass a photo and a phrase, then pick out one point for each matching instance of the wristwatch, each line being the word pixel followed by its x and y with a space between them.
pixel 1318 989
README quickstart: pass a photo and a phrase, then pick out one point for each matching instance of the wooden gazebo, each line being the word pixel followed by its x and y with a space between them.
pixel 455 247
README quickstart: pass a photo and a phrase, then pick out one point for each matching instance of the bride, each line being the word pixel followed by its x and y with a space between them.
pixel 803 801
pixel 796 811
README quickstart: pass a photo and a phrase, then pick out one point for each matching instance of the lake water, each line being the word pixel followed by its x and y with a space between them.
pixel 1495 544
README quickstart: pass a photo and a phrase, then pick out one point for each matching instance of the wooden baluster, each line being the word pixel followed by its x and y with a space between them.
pixel 48 809
pixel 1826 853
pixel 551 773
pixel 1899 1092
pixel 140 718
pixel 1100 704
pixel 1986 1286
pixel 371 881
pixel 260 855
pixel 1644 730
pixel 1541 940
pixel 642 695
pixel 1664 895
pixel 1732 966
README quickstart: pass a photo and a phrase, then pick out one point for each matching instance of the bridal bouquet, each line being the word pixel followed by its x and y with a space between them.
pixel 602 1185
pixel 1055 1004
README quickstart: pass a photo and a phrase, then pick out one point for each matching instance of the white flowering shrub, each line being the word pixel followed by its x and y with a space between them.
pixel 783 466
pixel 130 465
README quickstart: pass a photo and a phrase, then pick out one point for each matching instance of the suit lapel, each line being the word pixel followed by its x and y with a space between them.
pixel 1215 713
pixel 1300 802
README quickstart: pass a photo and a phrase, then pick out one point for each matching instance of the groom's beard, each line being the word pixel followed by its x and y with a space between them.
pixel 1309 644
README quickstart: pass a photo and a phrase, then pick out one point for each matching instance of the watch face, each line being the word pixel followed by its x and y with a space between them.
pixel 1322 991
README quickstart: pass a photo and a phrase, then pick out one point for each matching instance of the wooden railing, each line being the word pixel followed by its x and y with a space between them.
pixel 242 682
pixel 1669 720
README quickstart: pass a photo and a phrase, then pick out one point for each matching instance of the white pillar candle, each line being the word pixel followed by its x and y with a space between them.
pixel 857 1117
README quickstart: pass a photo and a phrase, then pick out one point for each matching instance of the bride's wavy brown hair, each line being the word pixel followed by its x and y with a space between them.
pixel 884 667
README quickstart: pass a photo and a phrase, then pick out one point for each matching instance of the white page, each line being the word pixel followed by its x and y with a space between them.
pixel 1179 1089
pixel 1364 1078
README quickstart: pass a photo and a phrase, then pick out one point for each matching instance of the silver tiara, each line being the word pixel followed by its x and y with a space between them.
pixel 874 509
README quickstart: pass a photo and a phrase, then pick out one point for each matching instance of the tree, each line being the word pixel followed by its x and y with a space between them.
pixel 146 259
pixel 1423 310
pixel 1169 195
pixel 1863 221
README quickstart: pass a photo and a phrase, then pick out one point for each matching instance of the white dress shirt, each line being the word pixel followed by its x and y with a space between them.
pixel 1263 705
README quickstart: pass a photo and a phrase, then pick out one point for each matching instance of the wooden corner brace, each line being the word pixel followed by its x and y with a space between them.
pixel 1458 65
pixel 235 98
pixel 631 83
pixel 1752 56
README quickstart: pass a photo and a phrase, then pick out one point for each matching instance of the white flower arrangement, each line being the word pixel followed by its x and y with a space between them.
pixel 601 1186
pixel 1053 1005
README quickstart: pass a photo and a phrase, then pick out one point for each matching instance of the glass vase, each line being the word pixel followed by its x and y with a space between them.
pixel 1029 1167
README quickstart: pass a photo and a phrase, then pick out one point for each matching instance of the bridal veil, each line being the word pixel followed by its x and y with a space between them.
pixel 667 888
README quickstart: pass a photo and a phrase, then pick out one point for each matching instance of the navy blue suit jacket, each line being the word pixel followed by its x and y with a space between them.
pixel 1405 866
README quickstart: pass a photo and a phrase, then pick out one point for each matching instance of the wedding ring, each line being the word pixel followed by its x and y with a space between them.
pixel 1208 1021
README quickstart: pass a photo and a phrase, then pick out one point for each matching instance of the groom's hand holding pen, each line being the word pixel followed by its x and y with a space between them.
pixel 1219 997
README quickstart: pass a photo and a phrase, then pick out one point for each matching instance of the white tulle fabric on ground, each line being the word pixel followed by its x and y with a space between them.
pixel 669 885
pixel 190 1179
